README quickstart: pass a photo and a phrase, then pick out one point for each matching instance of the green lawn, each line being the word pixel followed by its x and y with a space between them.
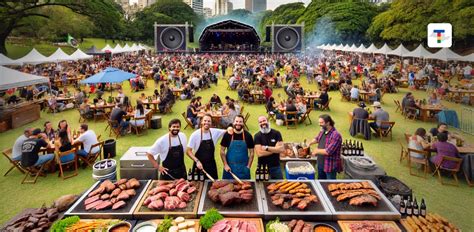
pixel 455 203
pixel 16 50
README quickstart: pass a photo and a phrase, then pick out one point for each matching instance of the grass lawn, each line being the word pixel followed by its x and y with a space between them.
pixel 16 50
pixel 455 203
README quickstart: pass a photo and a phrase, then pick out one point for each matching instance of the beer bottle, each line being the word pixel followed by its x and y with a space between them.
pixel 267 173
pixel 403 209
pixel 357 148
pixel 349 148
pixel 257 173
pixel 423 208
pixel 416 210
pixel 190 175
pixel 409 207
pixel 361 149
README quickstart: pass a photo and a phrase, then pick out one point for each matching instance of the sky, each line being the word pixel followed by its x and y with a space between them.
pixel 240 4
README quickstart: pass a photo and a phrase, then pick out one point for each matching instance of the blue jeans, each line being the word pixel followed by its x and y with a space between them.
pixel 44 159
pixel 326 175
pixel 124 126
pixel 275 173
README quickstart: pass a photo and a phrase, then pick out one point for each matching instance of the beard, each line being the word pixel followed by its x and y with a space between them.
pixel 266 129
pixel 174 132
pixel 238 127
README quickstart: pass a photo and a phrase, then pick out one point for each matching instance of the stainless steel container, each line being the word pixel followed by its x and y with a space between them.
pixel 135 164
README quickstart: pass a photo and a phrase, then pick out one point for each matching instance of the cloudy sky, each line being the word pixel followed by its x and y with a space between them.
pixel 271 4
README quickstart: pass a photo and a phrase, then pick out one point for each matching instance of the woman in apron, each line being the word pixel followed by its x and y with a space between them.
pixel 237 158
pixel 174 162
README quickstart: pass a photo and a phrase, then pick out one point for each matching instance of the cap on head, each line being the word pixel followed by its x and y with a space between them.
pixel 36 131
pixel 377 104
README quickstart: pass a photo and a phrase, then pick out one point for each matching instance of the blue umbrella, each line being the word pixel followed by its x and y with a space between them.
pixel 109 75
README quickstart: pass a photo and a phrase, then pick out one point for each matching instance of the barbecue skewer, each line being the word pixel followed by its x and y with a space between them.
pixel 236 178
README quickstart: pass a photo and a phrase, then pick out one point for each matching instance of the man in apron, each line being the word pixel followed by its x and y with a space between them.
pixel 170 148
pixel 239 156
pixel 329 149
pixel 202 143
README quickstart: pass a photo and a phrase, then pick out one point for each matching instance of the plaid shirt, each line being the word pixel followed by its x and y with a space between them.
pixel 333 148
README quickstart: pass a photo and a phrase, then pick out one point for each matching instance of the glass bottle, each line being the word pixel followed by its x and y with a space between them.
pixel 423 208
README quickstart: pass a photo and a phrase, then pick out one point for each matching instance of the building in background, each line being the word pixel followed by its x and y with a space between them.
pixel 221 7
pixel 256 5
pixel 197 5
pixel 207 12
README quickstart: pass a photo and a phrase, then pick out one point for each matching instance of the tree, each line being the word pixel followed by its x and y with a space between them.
pixel 13 14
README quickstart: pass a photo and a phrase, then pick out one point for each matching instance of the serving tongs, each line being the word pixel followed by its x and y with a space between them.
pixel 208 176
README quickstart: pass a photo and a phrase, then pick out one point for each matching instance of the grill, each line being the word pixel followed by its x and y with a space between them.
pixel 252 209
pixel 343 211
pixel 123 213
pixel 142 212
pixel 319 209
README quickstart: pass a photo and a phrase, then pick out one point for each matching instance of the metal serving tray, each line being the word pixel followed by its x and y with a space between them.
pixel 314 211
pixel 343 211
pixel 122 213
pixel 252 209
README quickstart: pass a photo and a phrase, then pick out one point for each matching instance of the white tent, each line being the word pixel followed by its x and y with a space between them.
pixel 399 51
pixel 59 55
pixel 346 48
pixel 11 78
pixel 370 49
pixel 361 48
pixel 80 55
pixel 353 48
pixel 117 49
pixel 444 54
pixel 340 47
pixel 420 52
pixel 4 60
pixel 34 57
pixel 383 50
pixel 469 58
pixel 126 48
pixel 135 47
pixel 107 47
pixel 143 47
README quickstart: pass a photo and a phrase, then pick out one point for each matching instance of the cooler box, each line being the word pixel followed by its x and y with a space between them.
pixel 362 168
pixel 135 164
pixel 299 170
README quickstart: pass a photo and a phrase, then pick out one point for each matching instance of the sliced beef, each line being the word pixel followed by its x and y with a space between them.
pixel 118 205
pixel 173 192
pixel 103 205
pixel 191 190
pixel 182 205
pixel 123 196
pixel 121 181
pixel 228 198
pixel 91 199
pixel 116 192
pixel 184 196
pixel 93 205
pixel 104 196
pixel 156 205
pixel 213 195
pixel 99 190
pixel 131 192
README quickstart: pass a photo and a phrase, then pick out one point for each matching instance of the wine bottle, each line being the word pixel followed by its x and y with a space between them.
pixel 361 149
pixel 349 148
pixel 416 210
pixel 257 173
pixel 357 148
pixel 267 173
pixel 190 175
pixel 403 209
pixel 423 208
pixel 409 207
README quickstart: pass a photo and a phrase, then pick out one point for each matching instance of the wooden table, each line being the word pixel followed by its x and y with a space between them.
pixel 420 83
pixel 215 116
pixel 177 92
pixel 425 111
pixel 154 102
pixel 148 113
pixel 311 98
pixel 457 94
pixel 364 95
pixel 65 99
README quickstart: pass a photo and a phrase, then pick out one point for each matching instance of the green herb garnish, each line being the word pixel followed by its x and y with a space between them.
pixel 165 225
pixel 60 226
pixel 210 218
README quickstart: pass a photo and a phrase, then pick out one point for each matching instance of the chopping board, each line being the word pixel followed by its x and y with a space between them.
pixel 258 222
pixel 390 224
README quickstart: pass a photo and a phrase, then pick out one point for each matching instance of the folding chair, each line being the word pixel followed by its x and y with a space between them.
pixel 453 171
pixel 15 164
pixel 326 106
pixel 33 173
pixel 142 128
pixel 242 110
pixel 421 161
pixel 246 118
pixel 403 152
pixel 188 122
pixel 82 117
pixel 385 129
pixel 306 116
pixel 410 113
pixel 398 105
pixel 67 158
pixel 90 158
pixel 293 119
pixel 271 115
pixel 114 127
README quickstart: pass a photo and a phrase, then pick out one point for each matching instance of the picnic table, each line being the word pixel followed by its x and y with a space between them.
pixel 154 102
pixel 311 97
pixel 177 91
pixel 427 110
pixel 215 115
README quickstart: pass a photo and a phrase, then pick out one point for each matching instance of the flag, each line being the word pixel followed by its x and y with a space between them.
pixel 71 41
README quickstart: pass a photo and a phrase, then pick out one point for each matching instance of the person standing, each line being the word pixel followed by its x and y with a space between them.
pixel 329 149
pixel 237 151
pixel 268 146
pixel 201 146
pixel 170 148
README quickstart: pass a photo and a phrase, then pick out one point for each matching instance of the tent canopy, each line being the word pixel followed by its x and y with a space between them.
pixel 80 55
pixel 34 57
pixel 370 49
pixel 385 49
pixel 4 60
pixel 444 54
pixel 109 48
pixel 94 51
pixel 109 75
pixel 14 79
pixel 59 55
pixel 419 52
pixel 399 51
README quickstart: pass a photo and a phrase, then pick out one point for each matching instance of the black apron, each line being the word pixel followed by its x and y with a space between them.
pixel 174 162
pixel 205 154
pixel 321 145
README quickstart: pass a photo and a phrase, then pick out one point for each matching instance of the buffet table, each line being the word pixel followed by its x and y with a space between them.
pixel 17 115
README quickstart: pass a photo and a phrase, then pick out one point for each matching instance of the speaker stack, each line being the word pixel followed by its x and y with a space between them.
pixel 285 38
pixel 173 37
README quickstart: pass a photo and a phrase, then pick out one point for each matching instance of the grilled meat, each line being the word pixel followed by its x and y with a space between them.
pixel 363 199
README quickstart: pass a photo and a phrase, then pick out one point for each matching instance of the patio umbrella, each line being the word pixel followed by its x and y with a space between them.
pixel 109 75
